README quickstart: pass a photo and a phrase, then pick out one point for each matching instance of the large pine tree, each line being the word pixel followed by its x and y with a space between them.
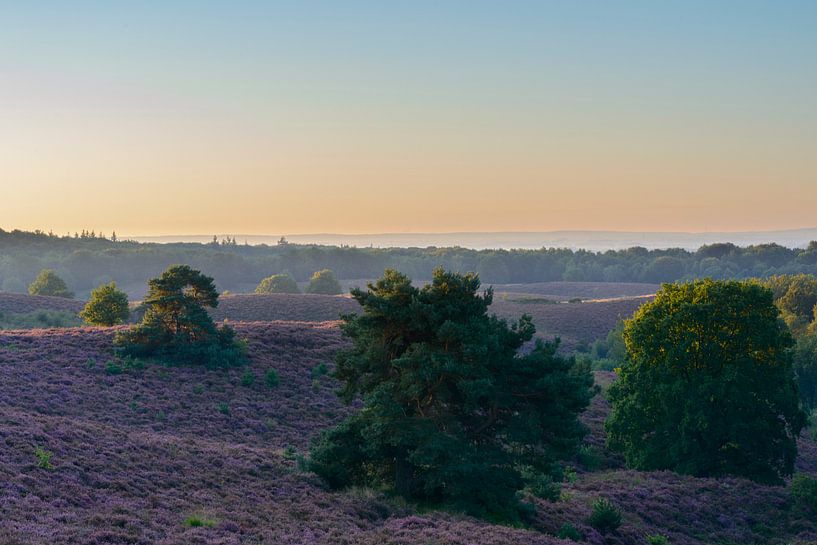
pixel 452 413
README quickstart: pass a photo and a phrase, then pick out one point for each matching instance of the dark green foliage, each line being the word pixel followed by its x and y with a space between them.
pixel 223 408
pixel 86 260
pixel 452 415
pixel 43 458
pixel 708 387
pixel 656 539
pixel 271 378
pixel 796 297
pixel 107 306
pixel 612 347
pixel 605 517
pixel 805 369
pixel 278 283
pixel 199 522
pixel 568 531
pixel 248 378
pixel 48 283
pixel 319 370
pixel 804 494
pixel 38 319
pixel 176 326
pixel 324 282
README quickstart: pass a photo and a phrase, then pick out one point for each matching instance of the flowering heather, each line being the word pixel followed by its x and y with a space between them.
pixel 18 303
pixel 283 306
pixel 574 323
pixel 137 454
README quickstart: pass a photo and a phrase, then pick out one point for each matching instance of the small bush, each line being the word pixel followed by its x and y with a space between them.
pixel 43 457
pixel 804 493
pixel 568 531
pixel 540 485
pixel 278 283
pixel 48 283
pixel 319 370
pixel 198 389
pixel 589 458
pixel 113 368
pixel 248 378
pixel 199 522
pixel 324 282
pixel 605 516
pixel 656 539
pixel 224 408
pixel 271 378
pixel 108 306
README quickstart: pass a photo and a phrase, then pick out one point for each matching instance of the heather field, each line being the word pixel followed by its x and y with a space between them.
pixel 574 323
pixel 283 306
pixel 181 455
pixel 564 291
pixel 18 303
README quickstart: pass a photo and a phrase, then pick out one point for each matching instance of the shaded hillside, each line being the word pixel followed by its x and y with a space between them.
pixel 283 306
pixel 18 303
pixel 136 454
pixel 564 291
pixel 574 323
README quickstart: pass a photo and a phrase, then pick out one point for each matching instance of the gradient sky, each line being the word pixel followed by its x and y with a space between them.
pixel 421 116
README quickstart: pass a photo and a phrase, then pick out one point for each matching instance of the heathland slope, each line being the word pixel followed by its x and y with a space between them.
pixel 180 455
pixel 18 303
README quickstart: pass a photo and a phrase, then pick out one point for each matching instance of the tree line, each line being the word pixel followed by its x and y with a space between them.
pixel 87 262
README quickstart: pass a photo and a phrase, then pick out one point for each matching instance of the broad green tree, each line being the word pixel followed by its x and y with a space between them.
pixel 452 413
pixel 324 282
pixel 278 283
pixel 48 283
pixel 176 325
pixel 805 369
pixel 107 306
pixel 708 387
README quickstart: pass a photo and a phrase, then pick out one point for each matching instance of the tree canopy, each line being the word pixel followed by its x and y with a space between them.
pixel 48 283
pixel 324 282
pixel 176 325
pixel 108 306
pixel 278 283
pixel 708 387
pixel 452 413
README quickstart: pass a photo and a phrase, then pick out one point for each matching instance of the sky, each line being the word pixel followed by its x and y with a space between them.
pixel 256 117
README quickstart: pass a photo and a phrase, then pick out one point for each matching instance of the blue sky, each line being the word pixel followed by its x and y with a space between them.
pixel 697 113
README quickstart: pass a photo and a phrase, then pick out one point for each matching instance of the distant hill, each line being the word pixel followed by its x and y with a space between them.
pixel 575 240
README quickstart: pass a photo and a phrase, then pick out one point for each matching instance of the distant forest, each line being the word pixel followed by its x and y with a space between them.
pixel 86 260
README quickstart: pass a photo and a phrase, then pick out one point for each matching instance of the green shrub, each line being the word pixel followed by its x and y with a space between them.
pixel 319 370
pixel 176 326
pixel 198 389
pixel 541 485
pixel 278 283
pixel 804 493
pixel 271 378
pixel 43 457
pixel 48 283
pixel 605 517
pixel 248 378
pixel 568 531
pixel 113 368
pixel 107 306
pixel 656 539
pixel 224 408
pixel 324 282
pixel 199 522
